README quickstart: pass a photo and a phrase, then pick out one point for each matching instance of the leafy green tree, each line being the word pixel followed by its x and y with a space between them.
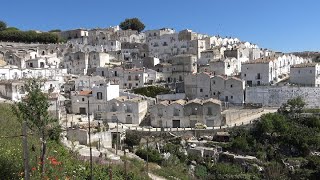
pixel 132 139
pixel 152 154
pixel 292 106
pixel 34 110
pixel 3 25
pixel 151 91
pixel 55 30
pixel 12 29
pixel 133 24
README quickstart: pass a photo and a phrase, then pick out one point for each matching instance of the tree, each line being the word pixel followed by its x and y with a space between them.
pixel 133 24
pixel 292 106
pixel 34 110
pixel 3 25
pixel 12 29
pixel 151 91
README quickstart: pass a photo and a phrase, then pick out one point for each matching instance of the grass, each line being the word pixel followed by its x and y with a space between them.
pixel 68 166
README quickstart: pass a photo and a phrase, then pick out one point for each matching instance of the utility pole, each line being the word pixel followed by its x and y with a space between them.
pixel 147 155
pixel 110 171
pixel 125 164
pixel 25 151
pixel 117 143
pixel 91 177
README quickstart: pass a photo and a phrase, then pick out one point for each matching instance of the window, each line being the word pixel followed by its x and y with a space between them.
pixel 82 99
pixel 125 84
pixel 114 108
pixel 231 97
pixel 136 77
pixel 136 84
pixel 99 95
pixel 209 111
pixel 194 111
pixel 299 71
pixel 310 71
pixel 102 73
pixel 129 78
pixel 245 75
pixel 214 93
pixel 231 86
pixel 176 112
pixel 42 64
pixel 214 82
pixel 201 90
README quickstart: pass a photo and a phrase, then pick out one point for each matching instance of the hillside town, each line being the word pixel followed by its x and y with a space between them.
pixel 100 79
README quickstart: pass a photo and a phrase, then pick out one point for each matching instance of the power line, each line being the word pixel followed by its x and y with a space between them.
pixel 15 136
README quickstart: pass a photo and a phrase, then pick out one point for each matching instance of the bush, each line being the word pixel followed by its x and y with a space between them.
pixel 151 154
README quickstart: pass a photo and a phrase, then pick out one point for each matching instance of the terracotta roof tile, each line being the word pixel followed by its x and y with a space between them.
pixel 85 93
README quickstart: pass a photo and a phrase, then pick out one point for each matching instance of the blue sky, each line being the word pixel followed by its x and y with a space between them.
pixel 281 25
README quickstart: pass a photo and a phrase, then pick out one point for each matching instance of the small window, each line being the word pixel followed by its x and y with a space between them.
pixel 125 84
pixel 136 84
pixel 245 75
pixel 214 93
pixel 231 86
pixel 209 111
pixel 310 71
pixel 231 97
pixel 99 95
pixel 214 82
pixel 201 90
pixel 82 99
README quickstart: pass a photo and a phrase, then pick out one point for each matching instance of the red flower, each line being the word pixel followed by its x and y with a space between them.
pixel 33 169
pixel 55 162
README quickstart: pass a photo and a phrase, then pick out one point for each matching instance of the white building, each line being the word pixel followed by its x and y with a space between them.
pixel 269 70
pixel 307 74
pixel 183 113
pixel 205 86
pixel 79 62
pixel 97 98
pixel 125 110
pixel 225 67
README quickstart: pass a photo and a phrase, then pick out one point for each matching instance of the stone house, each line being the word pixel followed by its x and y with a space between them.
pixel 183 65
pixel 125 110
pixel 97 97
pixel 225 67
pixel 269 70
pixel 205 86
pixel 184 113
pixel 306 74
pixel 79 62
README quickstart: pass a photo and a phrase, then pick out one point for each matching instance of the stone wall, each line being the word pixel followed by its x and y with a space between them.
pixel 274 96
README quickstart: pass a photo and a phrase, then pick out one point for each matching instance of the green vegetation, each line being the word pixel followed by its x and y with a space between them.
pixel 282 136
pixel 3 25
pixel 59 162
pixel 13 34
pixel 34 110
pixel 133 24
pixel 286 145
pixel 151 91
